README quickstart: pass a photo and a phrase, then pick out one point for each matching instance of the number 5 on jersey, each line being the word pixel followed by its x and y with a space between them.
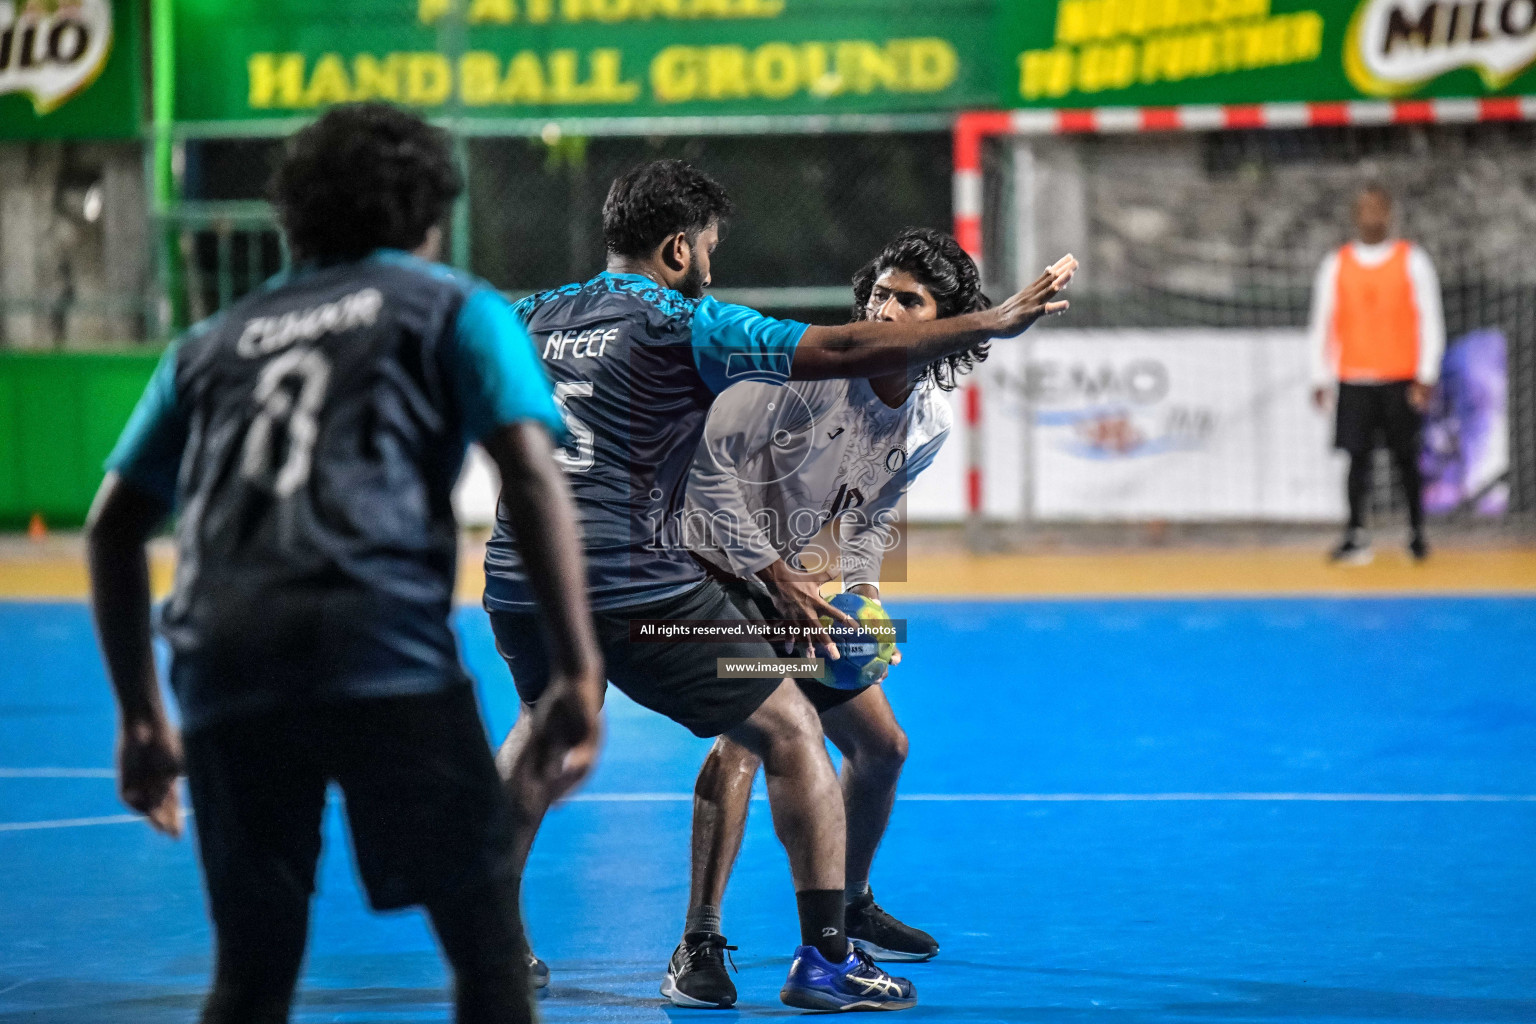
pixel 580 455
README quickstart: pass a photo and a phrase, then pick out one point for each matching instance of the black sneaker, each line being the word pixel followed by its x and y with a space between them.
pixel 1418 547
pixel 538 975
pixel 882 936
pixel 696 975
pixel 1354 549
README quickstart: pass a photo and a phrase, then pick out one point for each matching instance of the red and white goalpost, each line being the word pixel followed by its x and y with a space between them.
pixel 973 128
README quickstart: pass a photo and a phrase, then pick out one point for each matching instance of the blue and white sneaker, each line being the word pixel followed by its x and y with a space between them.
pixel 854 984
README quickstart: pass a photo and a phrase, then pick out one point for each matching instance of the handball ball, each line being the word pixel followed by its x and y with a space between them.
pixel 865 658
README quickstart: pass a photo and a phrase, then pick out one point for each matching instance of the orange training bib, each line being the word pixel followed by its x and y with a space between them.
pixel 1375 334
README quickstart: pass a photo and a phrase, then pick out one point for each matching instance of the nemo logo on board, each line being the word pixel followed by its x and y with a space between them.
pixel 1395 46
pixel 52 49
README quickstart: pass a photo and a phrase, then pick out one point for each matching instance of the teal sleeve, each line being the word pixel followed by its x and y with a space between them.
pixel 497 372
pixel 733 343
pixel 148 453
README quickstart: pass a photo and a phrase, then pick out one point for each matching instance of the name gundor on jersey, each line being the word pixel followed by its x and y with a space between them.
pixel 264 335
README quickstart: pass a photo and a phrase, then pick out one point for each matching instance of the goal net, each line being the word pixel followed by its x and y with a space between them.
pixel 1177 388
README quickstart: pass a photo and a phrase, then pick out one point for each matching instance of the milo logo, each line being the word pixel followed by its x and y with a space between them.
pixel 51 49
pixel 1395 46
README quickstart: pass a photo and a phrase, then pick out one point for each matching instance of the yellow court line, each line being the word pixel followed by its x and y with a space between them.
pixel 1173 571
pixel 61 578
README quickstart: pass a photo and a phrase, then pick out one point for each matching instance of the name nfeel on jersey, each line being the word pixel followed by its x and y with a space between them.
pixel 635 368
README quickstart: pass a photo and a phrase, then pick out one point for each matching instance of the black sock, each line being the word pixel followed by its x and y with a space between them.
pixel 821 922
pixel 1407 459
pixel 1359 488
pixel 702 919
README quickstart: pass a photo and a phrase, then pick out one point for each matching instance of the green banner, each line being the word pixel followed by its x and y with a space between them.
pixel 237 60
pixel 69 69
pixel 1084 53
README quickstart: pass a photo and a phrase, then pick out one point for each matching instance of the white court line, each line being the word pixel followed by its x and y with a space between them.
pixel 944 798
pixel 1116 798
pixel 1028 798
pixel 32 826
pixel 57 773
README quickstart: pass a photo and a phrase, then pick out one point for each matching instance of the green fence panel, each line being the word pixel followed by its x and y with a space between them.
pixel 59 416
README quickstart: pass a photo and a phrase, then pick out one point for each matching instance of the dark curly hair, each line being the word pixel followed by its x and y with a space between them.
pixel 938 263
pixel 649 202
pixel 363 176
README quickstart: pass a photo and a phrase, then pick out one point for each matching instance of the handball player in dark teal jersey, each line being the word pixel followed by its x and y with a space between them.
pixel 308 438
pixel 637 354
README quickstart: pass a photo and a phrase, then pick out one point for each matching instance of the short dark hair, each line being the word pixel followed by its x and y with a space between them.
pixel 363 176
pixel 939 264
pixel 652 201
pixel 1377 189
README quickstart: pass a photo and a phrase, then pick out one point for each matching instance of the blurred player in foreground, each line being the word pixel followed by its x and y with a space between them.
pixel 777 463
pixel 1378 331
pixel 638 354
pixel 309 437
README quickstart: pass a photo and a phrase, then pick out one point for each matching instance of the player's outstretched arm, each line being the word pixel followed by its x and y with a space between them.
pixel 870 348
pixel 123 518
pixel 566 725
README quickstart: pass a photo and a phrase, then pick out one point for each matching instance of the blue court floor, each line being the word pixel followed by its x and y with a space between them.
pixel 1286 810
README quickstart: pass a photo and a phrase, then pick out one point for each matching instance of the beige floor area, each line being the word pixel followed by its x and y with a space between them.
pixel 54 568
pixel 1194 571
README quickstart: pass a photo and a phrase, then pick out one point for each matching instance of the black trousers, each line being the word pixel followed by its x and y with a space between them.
pixel 429 825
pixel 1368 416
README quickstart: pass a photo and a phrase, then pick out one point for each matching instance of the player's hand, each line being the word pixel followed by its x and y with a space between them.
pixel 798 598
pixel 866 591
pixel 566 735
pixel 1016 313
pixel 148 764
pixel 1321 397
pixel 1418 395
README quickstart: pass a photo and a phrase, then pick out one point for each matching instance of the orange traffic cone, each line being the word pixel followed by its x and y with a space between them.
pixel 37 529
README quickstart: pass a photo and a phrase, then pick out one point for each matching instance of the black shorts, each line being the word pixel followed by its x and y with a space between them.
pixel 678 679
pixel 754 600
pixel 1372 414
pixel 424 804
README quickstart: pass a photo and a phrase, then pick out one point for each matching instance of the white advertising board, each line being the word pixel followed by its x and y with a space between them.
pixel 1120 425
pixel 1173 424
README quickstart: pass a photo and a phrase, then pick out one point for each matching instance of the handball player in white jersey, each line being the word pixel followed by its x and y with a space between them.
pixel 777 463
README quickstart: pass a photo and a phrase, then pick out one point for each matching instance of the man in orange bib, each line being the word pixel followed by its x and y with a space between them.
pixel 1378 331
